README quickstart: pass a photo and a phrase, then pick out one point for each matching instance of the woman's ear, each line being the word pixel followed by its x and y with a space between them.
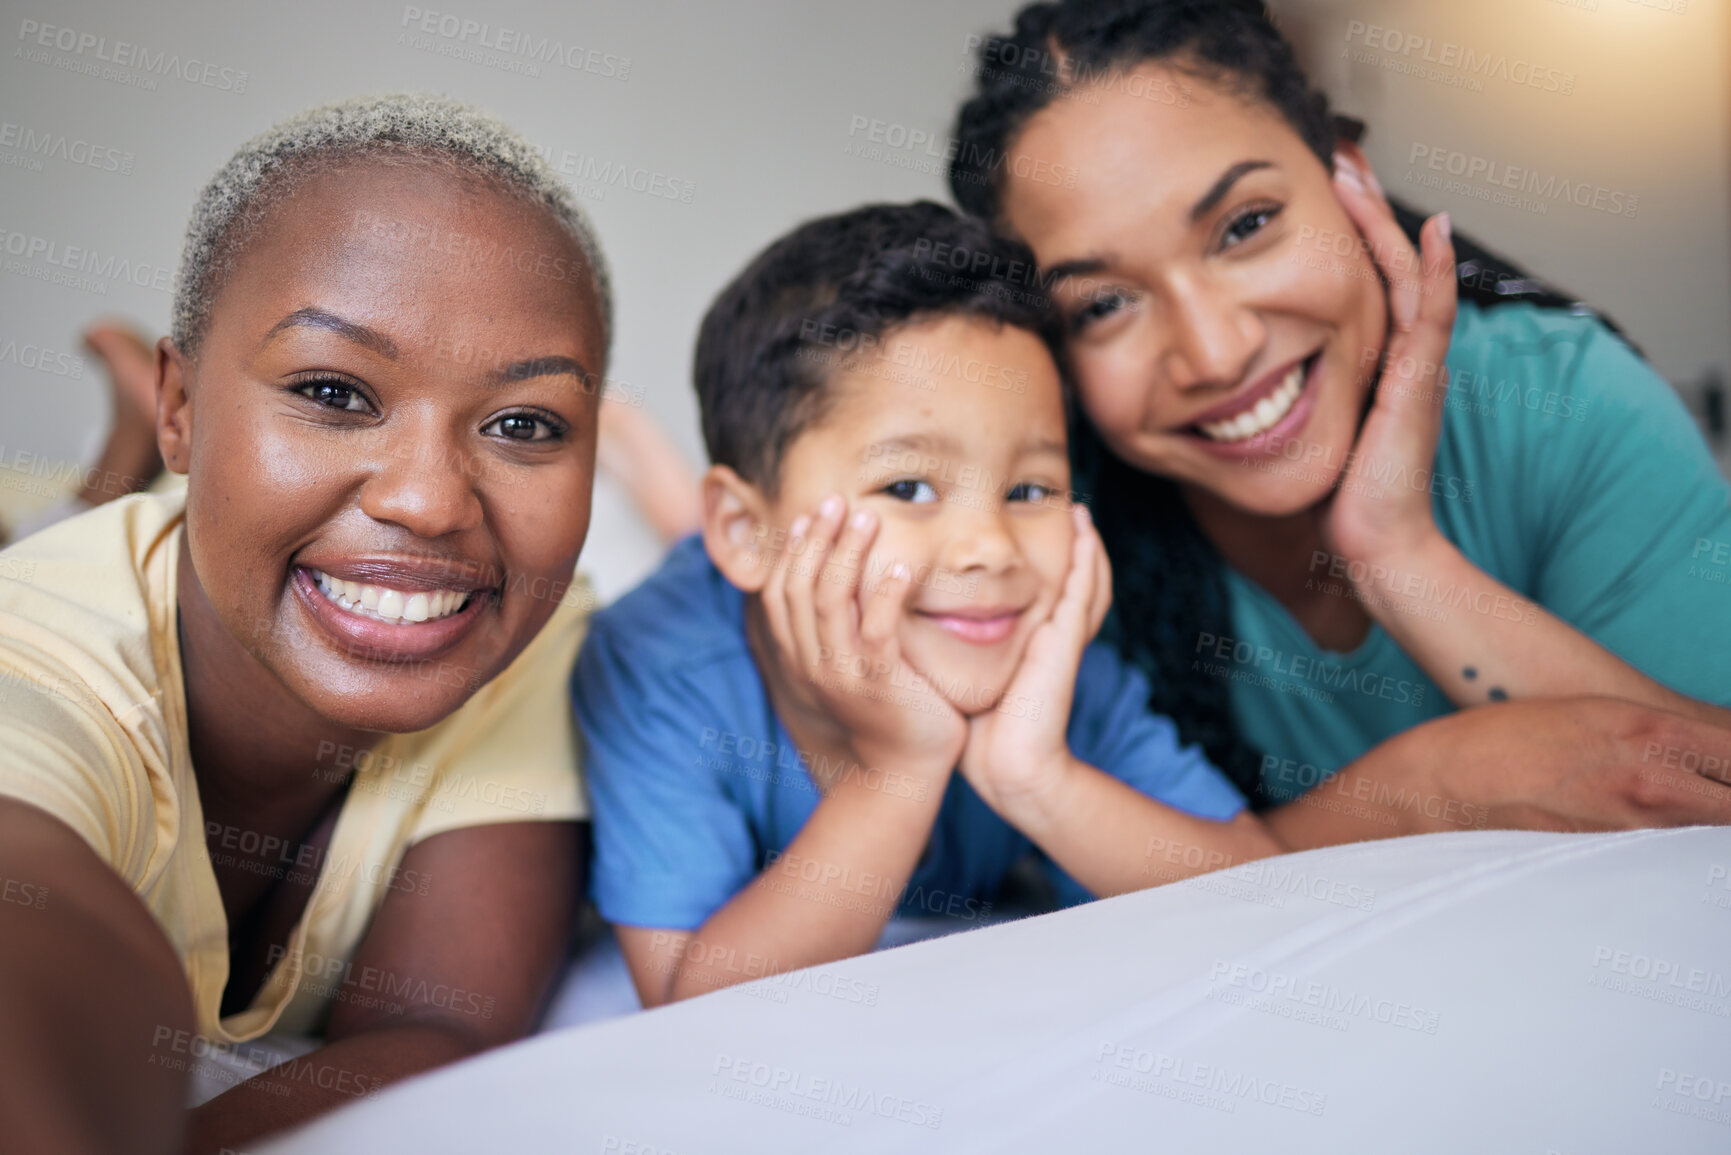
pixel 173 408
pixel 736 529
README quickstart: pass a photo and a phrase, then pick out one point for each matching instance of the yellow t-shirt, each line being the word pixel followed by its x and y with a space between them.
pixel 93 730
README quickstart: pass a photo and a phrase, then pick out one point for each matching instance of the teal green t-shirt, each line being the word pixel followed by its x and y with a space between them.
pixel 1567 470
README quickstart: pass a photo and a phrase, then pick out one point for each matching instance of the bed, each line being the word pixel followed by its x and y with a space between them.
pixel 1482 991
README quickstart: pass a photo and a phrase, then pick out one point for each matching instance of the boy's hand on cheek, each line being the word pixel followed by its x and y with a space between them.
pixel 1017 753
pixel 837 633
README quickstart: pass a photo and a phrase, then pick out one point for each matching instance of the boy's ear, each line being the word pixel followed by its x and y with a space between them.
pixel 736 529
pixel 173 408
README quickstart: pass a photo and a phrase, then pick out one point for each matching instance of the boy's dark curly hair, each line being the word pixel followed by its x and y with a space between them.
pixel 830 290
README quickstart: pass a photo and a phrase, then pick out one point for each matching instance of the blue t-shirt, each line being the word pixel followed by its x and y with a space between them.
pixel 696 786
pixel 1567 470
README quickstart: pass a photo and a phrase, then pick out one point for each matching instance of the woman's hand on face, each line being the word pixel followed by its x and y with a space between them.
pixel 1381 509
pixel 1019 748
pixel 837 635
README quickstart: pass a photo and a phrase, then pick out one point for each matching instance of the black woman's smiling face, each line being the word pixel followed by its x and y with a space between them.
pixel 390 433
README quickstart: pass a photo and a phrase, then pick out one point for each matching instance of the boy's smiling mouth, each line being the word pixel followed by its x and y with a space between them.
pixel 391 610
pixel 982 627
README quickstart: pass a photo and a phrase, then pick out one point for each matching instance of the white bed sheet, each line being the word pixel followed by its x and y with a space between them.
pixel 1493 991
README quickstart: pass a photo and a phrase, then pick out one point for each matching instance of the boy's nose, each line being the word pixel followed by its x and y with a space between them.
pixel 981 540
pixel 425 485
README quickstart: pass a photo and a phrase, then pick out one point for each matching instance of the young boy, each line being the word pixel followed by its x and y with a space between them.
pixel 869 686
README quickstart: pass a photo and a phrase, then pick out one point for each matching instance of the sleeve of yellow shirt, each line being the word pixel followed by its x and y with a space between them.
pixel 65 752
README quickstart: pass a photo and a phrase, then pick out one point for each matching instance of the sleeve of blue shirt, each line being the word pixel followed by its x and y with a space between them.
pixel 670 846
pixel 1112 729
pixel 1627 511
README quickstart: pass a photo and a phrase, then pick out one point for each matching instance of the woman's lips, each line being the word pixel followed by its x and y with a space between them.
pixel 388 603
pixel 980 629
pixel 1269 441
pixel 366 637
pixel 1246 400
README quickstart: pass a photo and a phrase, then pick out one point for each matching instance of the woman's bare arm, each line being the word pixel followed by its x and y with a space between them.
pixel 1513 645
pixel 93 1002
pixel 1507 647
pixel 1539 764
pixel 460 957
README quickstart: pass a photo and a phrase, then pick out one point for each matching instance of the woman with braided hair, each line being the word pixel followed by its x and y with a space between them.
pixel 1354 509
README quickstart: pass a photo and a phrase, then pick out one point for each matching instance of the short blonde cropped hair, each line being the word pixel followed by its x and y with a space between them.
pixel 401 125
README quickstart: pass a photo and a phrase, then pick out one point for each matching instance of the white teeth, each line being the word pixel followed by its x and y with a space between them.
pixel 384 604
pixel 1261 417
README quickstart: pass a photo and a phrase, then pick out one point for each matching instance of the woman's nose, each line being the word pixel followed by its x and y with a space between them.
pixel 426 482
pixel 1211 336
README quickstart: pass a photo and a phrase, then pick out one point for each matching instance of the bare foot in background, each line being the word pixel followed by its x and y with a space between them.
pixel 633 448
pixel 129 460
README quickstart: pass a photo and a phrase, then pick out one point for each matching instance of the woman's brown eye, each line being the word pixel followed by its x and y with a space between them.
pixel 525 427
pixel 1098 309
pixel 1248 225
pixel 335 395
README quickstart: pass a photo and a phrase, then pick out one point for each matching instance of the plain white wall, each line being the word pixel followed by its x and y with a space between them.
pixel 753 108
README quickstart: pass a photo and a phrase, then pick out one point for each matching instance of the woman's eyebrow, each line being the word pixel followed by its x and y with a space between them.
pixel 1066 270
pixel 1217 192
pixel 348 330
pixel 313 318
pixel 542 367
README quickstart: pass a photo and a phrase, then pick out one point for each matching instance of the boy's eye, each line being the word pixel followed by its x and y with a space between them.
pixel 525 427
pixel 1247 224
pixel 910 489
pixel 1032 491
pixel 335 395
pixel 1102 306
